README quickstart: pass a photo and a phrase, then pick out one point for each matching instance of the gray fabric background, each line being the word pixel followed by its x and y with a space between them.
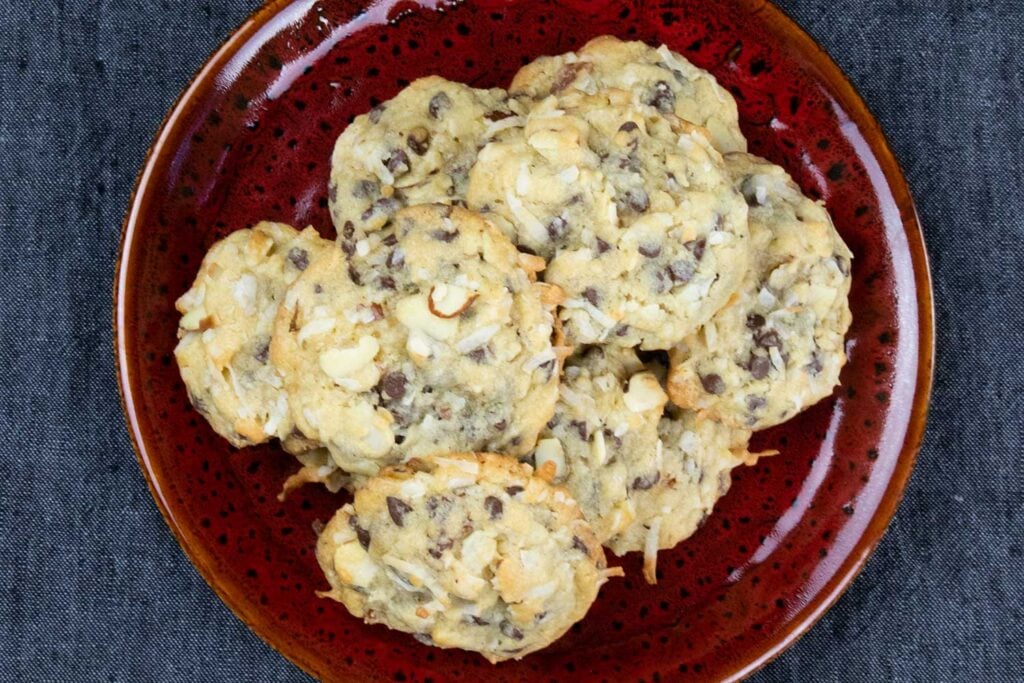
pixel 94 588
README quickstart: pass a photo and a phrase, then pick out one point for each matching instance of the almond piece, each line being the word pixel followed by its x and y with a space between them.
pixel 448 301
pixel 549 459
pixel 644 393
pixel 353 367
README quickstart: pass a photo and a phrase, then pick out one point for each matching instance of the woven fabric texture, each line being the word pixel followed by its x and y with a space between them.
pixel 95 587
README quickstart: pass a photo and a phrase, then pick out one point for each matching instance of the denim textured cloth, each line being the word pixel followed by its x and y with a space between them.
pixel 96 589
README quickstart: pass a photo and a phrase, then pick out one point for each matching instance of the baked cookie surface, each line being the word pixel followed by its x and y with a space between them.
pixel 465 551
pixel 426 335
pixel 655 78
pixel 416 148
pixel 644 479
pixel 634 212
pixel 779 346
pixel 224 333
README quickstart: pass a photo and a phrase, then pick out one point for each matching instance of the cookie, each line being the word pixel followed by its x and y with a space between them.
pixel 658 79
pixel 779 346
pixel 644 481
pixel 464 551
pixel 635 213
pixel 224 334
pixel 416 148
pixel 427 335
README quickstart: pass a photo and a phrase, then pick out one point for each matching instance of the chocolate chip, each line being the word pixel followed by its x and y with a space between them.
pixel 610 435
pixel 396 259
pixel 578 544
pixel 696 247
pixel 553 422
pixel 397 162
pixel 348 246
pixel 501 425
pixel 318 288
pixel 510 631
pixel 755 321
pixel 681 271
pixel 438 550
pixel 436 504
pixel 581 429
pixel 354 276
pixel 478 355
pixel 477 620
pixel 362 534
pixel 497 115
pixel 759 366
pixel 263 353
pixel 398 509
pixel 662 98
pixel 419 140
pixel 628 127
pixel 365 189
pixel 376 112
pixel 513 490
pixel 390 241
pixel 494 507
pixel 590 294
pixel 621 330
pixel 299 258
pixel 767 338
pixel 661 282
pixel 650 250
pixel 815 366
pixel 712 384
pixel 646 482
pixel 602 246
pixel 637 200
pixel 755 403
pixel 557 228
pixel 393 385
pixel 387 282
pixel 444 235
pixel 384 205
pixel 438 104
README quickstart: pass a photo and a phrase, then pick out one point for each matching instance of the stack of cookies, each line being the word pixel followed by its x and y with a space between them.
pixel 550 322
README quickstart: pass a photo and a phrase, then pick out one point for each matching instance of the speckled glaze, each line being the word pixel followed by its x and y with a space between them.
pixel 250 140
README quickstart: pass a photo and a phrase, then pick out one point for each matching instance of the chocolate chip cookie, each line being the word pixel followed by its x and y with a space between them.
pixel 428 334
pixel 464 551
pixel 778 347
pixel 658 79
pixel 416 148
pixel 224 333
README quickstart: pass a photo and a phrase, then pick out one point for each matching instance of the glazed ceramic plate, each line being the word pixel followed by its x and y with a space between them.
pixel 250 139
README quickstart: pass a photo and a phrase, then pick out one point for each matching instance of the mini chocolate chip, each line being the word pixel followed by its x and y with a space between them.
pixel 578 544
pixel 662 98
pixel 398 509
pixel 494 507
pixel 477 620
pixel 376 112
pixel 332 192
pixel 815 366
pixel 511 631
pixel 681 271
pixel 497 115
pixel 646 482
pixel 755 403
pixel 590 294
pixel 419 140
pixel 318 288
pixel 696 247
pixel 365 189
pixel 759 366
pixel 438 104
pixel 390 241
pixel 478 355
pixel 650 250
pixel 348 246
pixel 378 312
pixel 581 429
pixel 513 490
pixel 438 550
pixel 712 384
pixel 629 127
pixel 553 422
pixel 353 275
pixel 397 162
pixel 385 205
pixel 501 425
pixel 393 385
pixel 444 235
pixel 602 246
pixel 557 228
pixel 637 200
pixel 609 434
pixel 754 321
pixel 263 353
pixel 387 282
pixel 362 534
pixel 396 259
pixel 622 330
pixel 661 282
pixel 767 338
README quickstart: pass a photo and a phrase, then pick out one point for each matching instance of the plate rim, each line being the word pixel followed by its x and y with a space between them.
pixel 846 94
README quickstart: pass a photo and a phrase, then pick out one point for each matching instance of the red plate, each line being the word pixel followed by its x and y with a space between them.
pixel 250 139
